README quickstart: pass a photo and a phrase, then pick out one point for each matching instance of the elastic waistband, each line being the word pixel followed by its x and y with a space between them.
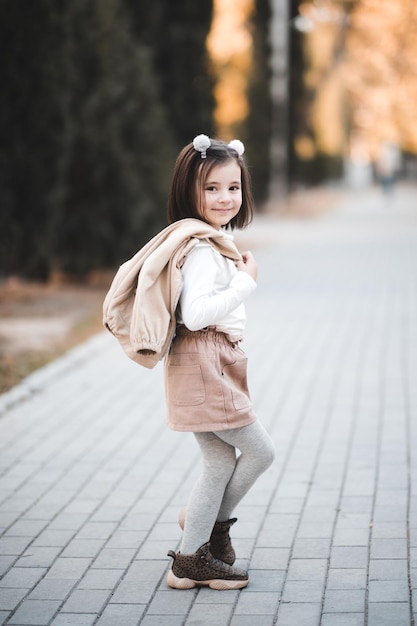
pixel 210 333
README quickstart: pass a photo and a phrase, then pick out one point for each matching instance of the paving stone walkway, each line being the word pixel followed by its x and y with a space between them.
pixel 91 480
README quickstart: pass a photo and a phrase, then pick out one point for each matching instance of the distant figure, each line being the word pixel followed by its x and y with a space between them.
pixel 387 165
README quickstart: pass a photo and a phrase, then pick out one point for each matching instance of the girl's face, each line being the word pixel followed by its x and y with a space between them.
pixel 222 194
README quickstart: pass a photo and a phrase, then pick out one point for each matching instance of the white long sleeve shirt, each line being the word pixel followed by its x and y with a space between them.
pixel 213 292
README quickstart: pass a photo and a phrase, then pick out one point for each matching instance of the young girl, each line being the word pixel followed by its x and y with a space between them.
pixel 205 369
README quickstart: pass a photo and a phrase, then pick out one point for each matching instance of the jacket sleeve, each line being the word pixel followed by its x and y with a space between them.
pixel 203 302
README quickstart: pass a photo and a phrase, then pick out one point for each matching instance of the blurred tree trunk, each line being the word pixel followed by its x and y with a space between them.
pixel 280 97
pixel 256 131
pixel 298 112
pixel 318 125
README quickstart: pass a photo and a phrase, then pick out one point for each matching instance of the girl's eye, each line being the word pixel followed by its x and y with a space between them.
pixel 211 188
pixel 234 188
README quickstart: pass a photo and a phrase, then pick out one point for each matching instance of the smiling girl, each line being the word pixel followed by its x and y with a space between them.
pixel 205 369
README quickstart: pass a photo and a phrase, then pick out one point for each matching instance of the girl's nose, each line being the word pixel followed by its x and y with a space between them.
pixel 224 196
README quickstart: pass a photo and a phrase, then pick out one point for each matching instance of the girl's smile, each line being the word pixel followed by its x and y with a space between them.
pixel 222 194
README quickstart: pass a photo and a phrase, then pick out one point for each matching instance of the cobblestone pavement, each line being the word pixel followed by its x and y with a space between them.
pixel 92 480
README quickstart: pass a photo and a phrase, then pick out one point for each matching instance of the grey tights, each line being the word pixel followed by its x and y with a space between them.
pixel 225 478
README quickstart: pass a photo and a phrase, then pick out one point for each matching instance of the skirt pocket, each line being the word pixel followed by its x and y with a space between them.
pixel 235 378
pixel 185 385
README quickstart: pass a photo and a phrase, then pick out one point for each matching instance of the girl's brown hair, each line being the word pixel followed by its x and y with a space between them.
pixel 191 172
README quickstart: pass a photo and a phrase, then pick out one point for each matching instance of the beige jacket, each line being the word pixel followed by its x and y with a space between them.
pixel 139 308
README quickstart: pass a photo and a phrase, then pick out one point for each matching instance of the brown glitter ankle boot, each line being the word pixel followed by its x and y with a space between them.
pixel 202 569
pixel 220 542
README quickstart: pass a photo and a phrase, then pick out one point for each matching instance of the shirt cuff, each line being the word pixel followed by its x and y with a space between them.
pixel 243 283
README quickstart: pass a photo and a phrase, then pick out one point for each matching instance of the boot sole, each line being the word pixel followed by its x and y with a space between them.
pixel 215 583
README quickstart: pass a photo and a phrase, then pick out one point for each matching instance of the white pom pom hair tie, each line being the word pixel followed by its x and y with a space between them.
pixel 237 145
pixel 202 143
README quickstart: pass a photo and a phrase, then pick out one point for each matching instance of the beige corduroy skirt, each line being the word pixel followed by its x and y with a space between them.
pixel 206 382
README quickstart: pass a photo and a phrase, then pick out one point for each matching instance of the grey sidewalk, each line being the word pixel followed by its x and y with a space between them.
pixel 92 481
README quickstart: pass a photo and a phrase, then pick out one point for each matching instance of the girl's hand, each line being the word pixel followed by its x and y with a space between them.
pixel 248 264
